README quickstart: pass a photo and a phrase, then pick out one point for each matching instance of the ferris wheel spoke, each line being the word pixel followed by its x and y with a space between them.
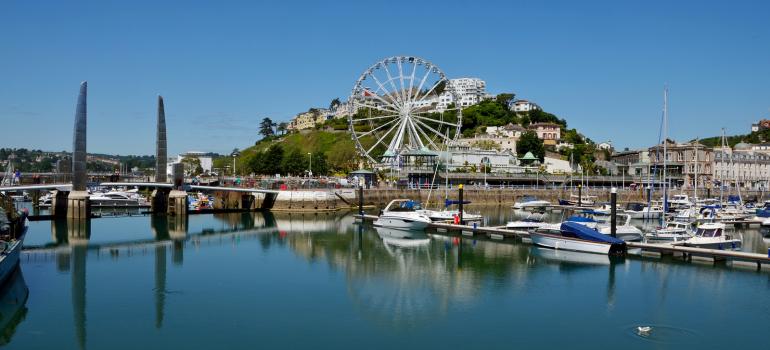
pixel 411 83
pixel 401 80
pixel 431 89
pixel 422 83
pixel 433 130
pixel 428 138
pixel 375 118
pixel 378 128
pixel 414 137
pixel 435 121
pixel 393 85
pixel 379 141
pixel 387 92
pixel 379 108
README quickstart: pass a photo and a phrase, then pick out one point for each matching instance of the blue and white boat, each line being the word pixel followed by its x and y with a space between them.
pixel 577 237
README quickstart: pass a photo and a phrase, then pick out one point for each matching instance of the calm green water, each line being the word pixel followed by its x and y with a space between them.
pixel 256 280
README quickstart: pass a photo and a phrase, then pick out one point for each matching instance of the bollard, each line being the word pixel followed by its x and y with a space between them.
pixel 613 212
pixel 460 199
pixel 580 195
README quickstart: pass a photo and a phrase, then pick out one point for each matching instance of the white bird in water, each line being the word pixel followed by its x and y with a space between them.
pixel 644 330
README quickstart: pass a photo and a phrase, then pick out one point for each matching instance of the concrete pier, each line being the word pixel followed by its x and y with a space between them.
pixel 177 198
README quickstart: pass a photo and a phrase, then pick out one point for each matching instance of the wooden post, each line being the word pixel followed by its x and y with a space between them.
pixel 460 198
pixel 361 199
pixel 613 212
pixel 580 195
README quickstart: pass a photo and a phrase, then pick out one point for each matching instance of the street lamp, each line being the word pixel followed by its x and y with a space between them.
pixel 310 167
pixel 234 154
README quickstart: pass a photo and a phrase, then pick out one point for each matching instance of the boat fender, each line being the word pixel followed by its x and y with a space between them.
pixel 456 219
pixel 733 244
pixel 720 246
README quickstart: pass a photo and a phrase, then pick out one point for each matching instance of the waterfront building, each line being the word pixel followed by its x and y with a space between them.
pixel 309 119
pixel 683 162
pixel 558 166
pixel 462 157
pixel 510 130
pixel 550 133
pixel 523 106
pixel 206 160
pixel 468 92
pixel 741 167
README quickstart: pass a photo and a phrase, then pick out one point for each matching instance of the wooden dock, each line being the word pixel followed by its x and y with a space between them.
pixel 737 258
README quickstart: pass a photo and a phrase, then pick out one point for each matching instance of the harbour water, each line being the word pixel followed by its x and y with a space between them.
pixel 257 280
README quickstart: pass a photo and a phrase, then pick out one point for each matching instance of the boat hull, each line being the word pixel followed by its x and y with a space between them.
pixel 566 243
pixel 400 223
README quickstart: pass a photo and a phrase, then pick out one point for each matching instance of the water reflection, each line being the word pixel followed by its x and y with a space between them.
pixel 397 280
pixel 13 305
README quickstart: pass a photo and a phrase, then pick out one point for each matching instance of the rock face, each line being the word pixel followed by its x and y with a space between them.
pixel 79 142
pixel 161 152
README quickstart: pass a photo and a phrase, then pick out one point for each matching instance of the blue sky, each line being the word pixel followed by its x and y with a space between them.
pixel 223 65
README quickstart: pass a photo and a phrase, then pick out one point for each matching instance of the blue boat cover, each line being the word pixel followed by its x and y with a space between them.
pixel 576 218
pixel 448 202
pixel 733 198
pixel 576 230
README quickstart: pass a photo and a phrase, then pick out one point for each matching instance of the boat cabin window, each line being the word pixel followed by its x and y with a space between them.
pixel 712 232
pixel 407 206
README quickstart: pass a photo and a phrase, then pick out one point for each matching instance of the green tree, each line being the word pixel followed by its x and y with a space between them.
pixel 282 127
pixel 273 159
pixel 529 142
pixel 266 128
pixel 487 145
pixel 334 104
pixel 192 165
pixel 320 165
pixel 504 99
pixel 295 163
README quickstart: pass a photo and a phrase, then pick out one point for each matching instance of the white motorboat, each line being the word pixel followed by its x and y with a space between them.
pixel 529 202
pixel 13 229
pixel 576 237
pixel 625 231
pixel 674 231
pixel 449 215
pixel 404 214
pixel 532 221
pixel 117 199
pixel 642 211
pixel 712 235
pixel 679 201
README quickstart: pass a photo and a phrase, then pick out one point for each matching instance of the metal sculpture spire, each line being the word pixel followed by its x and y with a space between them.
pixel 79 142
pixel 161 151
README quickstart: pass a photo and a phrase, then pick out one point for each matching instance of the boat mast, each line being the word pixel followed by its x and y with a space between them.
pixel 665 149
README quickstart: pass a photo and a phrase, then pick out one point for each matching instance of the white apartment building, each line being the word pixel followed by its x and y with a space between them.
pixel 206 159
pixel 741 167
pixel 523 106
pixel 463 156
pixel 469 91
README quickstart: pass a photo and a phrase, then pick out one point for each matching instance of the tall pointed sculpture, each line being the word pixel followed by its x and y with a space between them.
pixel 161 152
pixel 79 142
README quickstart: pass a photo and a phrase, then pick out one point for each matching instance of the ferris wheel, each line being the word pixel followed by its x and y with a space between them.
pixel 402 104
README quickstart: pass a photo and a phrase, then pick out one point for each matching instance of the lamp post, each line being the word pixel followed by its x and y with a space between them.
pixel 234 154
pixel 310 167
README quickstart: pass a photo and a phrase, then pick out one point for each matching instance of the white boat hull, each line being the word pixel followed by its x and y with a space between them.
pixel 577 245
pixel 400 223
pixel 644 214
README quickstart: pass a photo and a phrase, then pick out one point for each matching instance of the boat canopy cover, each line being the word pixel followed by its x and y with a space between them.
pixel 574 229
pixel 733 198
pixel 576 218
pixel 448 202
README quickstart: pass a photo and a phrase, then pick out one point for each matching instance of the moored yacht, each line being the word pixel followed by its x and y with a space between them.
pixel 674 231
pixel 712 235
pixel 117 199
pixel 577 237
pixel 530 202
pixel 643 211
pixel 404 214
